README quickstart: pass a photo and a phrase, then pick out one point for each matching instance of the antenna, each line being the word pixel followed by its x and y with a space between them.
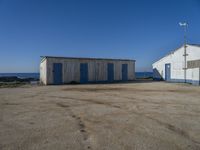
pixel 185 25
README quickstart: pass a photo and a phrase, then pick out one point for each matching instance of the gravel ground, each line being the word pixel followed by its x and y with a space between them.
pixel 140 115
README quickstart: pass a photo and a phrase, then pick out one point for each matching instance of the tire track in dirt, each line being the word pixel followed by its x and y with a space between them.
pixel 175 130
pixel 170 127
pixel 91 101
pixel 80 123
pixel 166 125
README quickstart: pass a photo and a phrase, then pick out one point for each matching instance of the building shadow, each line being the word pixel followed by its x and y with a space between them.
pixel 156 75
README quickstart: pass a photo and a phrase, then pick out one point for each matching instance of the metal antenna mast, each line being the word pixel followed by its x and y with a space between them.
pixel 185 25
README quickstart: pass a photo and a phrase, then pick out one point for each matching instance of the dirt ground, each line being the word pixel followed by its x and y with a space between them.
pixel 140 116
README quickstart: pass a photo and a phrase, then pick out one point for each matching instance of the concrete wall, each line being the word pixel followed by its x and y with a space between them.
pixel 97 69
pixel 176 59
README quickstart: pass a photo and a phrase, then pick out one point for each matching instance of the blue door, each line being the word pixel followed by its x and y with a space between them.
pixel 110 72
pixel 124 72
pixel 83 73
pixel 167 72
pixel 57 73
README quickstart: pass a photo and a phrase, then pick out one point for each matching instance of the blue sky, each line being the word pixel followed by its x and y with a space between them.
pixel 144 30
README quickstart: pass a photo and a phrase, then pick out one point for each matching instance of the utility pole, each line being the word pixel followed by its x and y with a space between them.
pixel 185 25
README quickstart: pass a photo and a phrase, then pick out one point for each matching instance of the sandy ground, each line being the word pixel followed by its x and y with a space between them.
pixel 141 116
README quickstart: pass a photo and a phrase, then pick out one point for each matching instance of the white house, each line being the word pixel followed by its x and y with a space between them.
pixel 179 65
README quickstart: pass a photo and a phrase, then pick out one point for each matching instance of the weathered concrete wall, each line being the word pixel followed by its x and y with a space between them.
pixel 43 72
pixel 97 69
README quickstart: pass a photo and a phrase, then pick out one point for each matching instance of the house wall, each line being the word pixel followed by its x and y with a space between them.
pixel 43 72
pixel 97 69
pixel 193 64
pixel 194 76
pixel 176 59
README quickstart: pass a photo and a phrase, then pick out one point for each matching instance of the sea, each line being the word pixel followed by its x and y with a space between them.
pixel 140 75
pixel 21 75
pixel 37 75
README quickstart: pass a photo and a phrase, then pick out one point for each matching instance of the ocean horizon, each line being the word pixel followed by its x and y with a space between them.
pixel 37 75
pixel 21 75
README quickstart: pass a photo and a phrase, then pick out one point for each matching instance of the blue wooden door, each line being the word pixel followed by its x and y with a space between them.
pixel 57 73
pixel 124 72
pixel 83 73
pixel 110 72
pixel 167 72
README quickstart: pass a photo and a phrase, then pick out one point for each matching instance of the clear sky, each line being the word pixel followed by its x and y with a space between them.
pixel 144 30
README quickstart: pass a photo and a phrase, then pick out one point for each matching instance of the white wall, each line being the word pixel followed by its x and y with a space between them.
pixel 176 59
pixel 43 72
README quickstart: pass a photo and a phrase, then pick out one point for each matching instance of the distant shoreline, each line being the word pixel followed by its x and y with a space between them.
pixel 18 79
pixel 21 75
pixel 139 75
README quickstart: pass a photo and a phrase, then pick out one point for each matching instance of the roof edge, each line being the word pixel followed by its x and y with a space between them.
pixel 89 58
pixel 196 45
pixel 171 52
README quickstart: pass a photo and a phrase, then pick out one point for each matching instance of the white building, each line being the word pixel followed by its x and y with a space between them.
pixel 172 67
pixel 61 70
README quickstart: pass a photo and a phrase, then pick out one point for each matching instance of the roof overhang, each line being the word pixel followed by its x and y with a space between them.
pixel 85 58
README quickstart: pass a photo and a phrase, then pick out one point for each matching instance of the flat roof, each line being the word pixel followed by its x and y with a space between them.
pixel 111 59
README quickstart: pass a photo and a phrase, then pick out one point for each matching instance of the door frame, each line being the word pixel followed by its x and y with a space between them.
pixel 84 73
pixel 125 68
pixel 57 73
pixel 110 72
pixel 167 73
